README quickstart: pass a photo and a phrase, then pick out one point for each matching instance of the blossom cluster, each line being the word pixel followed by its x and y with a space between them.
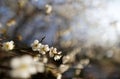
pixel 27 65
pixel 43 49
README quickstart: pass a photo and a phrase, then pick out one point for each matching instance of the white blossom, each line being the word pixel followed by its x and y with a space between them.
pixel 8 46
pixel 57 57
pixel 43 49
pixel 36 45
pixel 52 52
pixel 22 67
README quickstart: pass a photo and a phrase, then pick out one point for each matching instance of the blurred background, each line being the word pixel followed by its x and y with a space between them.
pixel 93 25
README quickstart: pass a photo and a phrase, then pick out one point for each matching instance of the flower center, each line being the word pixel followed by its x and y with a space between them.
pixel 23 66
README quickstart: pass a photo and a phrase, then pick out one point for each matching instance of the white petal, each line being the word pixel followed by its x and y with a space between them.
pixel 32 70
pixel 12 42
pixel 46 48
pixel 26 59
pixel 15 62
pixel 40 67
pixel 45 60
pixel 24 74
pixel 36 41
pixel 51 54
pixel 57 57
pixel 59 76
pixel 19 74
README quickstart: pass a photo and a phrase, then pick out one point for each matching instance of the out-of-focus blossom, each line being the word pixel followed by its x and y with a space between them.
pixel 1 25
pixel 84 62
pixel 79 66
pixel 11 22
pixel 59 76
pixel 40 66
pixel 45 59
pixel 37 57
pixel 65 59
pixel 8 46
pixel 63 68
pixel 22 67
pixel 36 45
pixel 48 9
pixel 43 49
